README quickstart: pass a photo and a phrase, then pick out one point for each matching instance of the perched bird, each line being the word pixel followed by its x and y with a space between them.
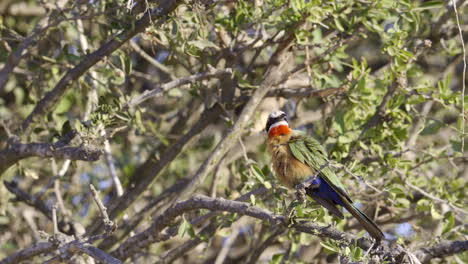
pixel 296 157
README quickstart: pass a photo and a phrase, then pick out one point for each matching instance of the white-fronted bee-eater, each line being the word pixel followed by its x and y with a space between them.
pixel 296 157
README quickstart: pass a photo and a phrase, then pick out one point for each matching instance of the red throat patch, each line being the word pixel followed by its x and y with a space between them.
pixel 279 130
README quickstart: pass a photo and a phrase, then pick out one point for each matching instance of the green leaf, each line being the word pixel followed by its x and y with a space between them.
pixel 203 44
pixel 252 199
pixel 357 253
pixel 329 246
pixel 185 227
pixel 276 259
pixel 66 127
pixel 432 127
pixel 436 215
pixel 449 222
pixel 430 5
pixel 338 24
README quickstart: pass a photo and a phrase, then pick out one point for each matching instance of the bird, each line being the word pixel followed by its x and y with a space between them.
pixel 296 158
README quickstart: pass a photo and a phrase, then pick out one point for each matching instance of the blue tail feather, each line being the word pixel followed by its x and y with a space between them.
pixel 325 191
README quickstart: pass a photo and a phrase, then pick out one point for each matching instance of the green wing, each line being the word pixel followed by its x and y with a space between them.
pixel 310 151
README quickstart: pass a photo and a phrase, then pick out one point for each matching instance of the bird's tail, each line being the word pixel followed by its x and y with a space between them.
pixel 364 220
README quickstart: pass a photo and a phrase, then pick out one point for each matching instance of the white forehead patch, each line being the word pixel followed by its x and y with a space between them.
pixel 276 114
pixel 279 123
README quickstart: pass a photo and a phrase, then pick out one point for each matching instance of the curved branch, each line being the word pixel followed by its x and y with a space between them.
pixel 142 240
pixel 145 238
pixel 176 83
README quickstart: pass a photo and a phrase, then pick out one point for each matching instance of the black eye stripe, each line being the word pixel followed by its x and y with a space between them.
pixel 271 121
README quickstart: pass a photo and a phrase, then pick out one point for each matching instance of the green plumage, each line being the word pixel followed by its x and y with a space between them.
pixel 309 151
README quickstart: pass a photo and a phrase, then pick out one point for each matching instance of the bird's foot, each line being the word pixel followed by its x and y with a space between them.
pixel 300 192
pixel 311 183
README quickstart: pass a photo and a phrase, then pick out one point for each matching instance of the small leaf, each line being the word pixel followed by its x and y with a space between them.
pixel 66 127
pixel 330 247
pixel 183 227
pixel 449 222
pixel 436 215
pixel 203 44
pixel 252 199
pixel 432 127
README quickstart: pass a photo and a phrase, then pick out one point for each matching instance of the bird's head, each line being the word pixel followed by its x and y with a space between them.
pixel 277 124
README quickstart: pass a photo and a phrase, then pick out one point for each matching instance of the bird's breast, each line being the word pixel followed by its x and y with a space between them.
pixel 287 168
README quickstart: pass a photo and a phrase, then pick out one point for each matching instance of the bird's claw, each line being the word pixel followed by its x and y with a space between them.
pixel 300 192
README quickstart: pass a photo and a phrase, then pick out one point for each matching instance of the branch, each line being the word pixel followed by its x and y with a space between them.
pixel 147 173
pixel 441 250
pixel 150 59
pixel 30 200
pixel 66 245
pixel 49 101
pixel 208 231
pixel 304 92
pixel 109 225
pixel 142 240
pixel 59 150
pixel 179 82
pixel 400 82
pixel 77 247
pixel 272 77
pixel 27 253
pixel 133 244
pixel 437 199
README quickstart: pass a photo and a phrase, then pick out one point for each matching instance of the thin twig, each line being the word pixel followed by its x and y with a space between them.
pixel 227 244
pixel 253 257
pixel 54 219
pixel 463 80
pixel 57 191
pixel 176 83
pixel 435 198
pixel 111 164
pixel 149 59
pixel 110 226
